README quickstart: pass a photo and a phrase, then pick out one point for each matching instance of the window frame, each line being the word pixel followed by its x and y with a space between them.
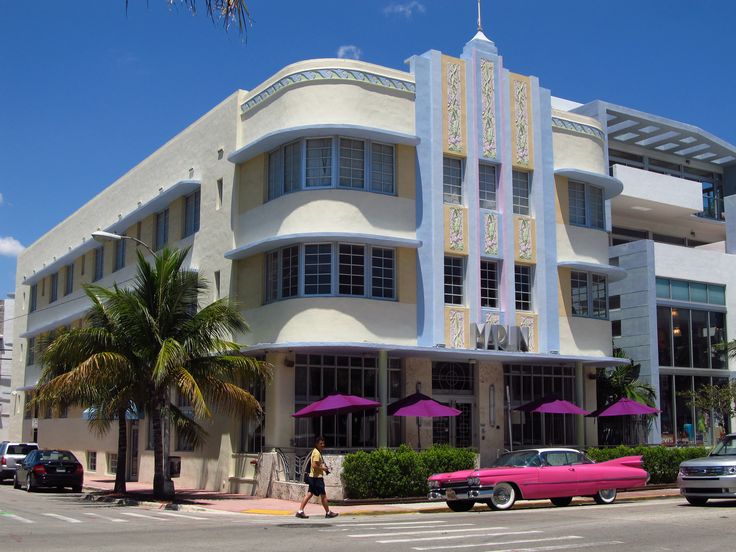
pixel 99 272
pixel 522 204
pixel 452 192
pixel 54 292
pixel 120 252
pixel 161 229
pixel 33 298
pixel 589 299
pixel 593 211
pixel 454 279
pixel 489 294
pixel 488 198
pixel 69 280
pixel 524 276
pixel 191 218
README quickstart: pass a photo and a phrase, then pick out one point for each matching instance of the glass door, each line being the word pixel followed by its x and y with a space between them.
pixel 456 431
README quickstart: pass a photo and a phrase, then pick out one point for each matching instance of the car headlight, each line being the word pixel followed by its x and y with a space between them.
pixel 682 471
pixel 731 470
pixel 473 481
pixel 434 484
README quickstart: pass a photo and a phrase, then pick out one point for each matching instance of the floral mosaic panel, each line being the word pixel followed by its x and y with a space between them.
pixel 457 329
pixel 457 229
pixel 525 239
pixel 490 234
pixel 522 145
pixel 454 103
pixel 488 108
pixel 493 318
pixel 530 323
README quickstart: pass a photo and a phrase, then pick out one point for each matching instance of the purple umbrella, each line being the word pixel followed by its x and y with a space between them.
pixel 559 407
pixel 624 407
pixel 427 408
pixel 336 404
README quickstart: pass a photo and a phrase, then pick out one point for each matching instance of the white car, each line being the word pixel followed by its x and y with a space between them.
pixel 12 454
pixel 713 476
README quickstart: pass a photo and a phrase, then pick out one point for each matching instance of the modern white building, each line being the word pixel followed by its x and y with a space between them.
pixel 8 399
pixel 443 228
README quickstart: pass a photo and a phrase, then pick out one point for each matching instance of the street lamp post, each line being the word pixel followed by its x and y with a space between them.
pixel 168 484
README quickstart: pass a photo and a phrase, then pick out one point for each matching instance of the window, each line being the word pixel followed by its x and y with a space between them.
pixel 523 279
pixel 589 295
pixel 614 302
pixel 319 162
pixel 112 462
pixel 54 287
pixel 351 271
pixel 99 263
pixel 488 284
pixel 382 273
pixel 120 247
pixel 69 280
pixel 318 269
pixel 162 229
pixel 382 168
pixel 33 300
pixel 452 180
pixel 352 163
pixel 691 338
pixel 695 292
pixel 218 205
pixel 290 271
pixel 521 189
pixel 454 273
pixel 191 214
pixel 91 460
pixel 183 441
pixel 292 167
pixel 487 186
pixel 616 328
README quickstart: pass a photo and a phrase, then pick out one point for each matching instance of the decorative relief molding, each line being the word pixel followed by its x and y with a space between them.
pixel 490 234
pixel 493 318
pixel 457 229
pixel 522 138
pixel 454 109
pixel 457 328
pixel 332 74
pixel 488 108
pixel 580 128
pixel 530 322
pixel 525 239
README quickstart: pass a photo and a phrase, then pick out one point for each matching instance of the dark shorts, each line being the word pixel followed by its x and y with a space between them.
pixel 317 486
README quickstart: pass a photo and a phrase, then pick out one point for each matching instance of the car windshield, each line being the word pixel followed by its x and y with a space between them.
pixel 519 459
pixel 20 449
pixel 56 456
pixel 726 447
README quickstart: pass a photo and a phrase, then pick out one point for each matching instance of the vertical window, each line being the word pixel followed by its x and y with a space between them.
pixel 452 180
pixel 69 280
pixel 99 263
pixel 664 335
pixel 292 167
pixel 33 301
pixel 31 352
pixel 272 276
pixel 191 213
pixel 576 199
pixel 488 284
pixel 521 189
pixel 589 294
pixel 597 217
pixel 351 270
pixel 454 275
pixel 218 206
pixel 586 205
pixel 319 162
pixel 382 168
pixel 290 271
pixel 579 291
pixel 318 269
pixel 119 254
pixel 217 285
pixel 112 462
pixel 91 460
pixel 382 273
pixel 523 282
pixel 599 296
pixel 487 186
pixel 54 287
pixel 274 174
pixel 162 229
pixel 352 163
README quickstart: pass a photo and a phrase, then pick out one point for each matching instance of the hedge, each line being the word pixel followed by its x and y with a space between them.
pixel 662 463
pixel 402 472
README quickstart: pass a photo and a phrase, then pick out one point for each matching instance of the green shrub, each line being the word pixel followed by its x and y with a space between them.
pixel 662 463
pixel 402 472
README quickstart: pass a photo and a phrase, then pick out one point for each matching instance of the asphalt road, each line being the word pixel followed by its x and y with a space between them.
pixel 53 521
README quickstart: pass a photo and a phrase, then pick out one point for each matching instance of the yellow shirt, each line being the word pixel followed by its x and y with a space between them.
pixel 316 458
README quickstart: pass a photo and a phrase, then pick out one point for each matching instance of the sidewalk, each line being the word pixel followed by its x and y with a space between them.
pixel 198 499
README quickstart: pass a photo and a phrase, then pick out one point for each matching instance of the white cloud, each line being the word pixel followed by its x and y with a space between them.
pixel 10 247
pixel 406 9
pixel 349 51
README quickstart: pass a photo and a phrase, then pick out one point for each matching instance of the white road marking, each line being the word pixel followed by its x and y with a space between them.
pixel 17 518
pixel 366 527
pixel 185 516
pixel 144 516
pixel 451 537
pixel 559 547
pixel 118 520
pixel 520 541
pixel 441 531
pixel 387 524
pixel 64 518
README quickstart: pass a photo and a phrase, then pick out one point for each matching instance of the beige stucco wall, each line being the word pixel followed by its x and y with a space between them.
pixel 576 150
pixel 576 243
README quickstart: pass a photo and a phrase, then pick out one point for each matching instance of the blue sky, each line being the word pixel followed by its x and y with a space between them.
pixel 87 92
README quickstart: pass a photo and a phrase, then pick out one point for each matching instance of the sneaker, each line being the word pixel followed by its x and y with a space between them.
pixel 331 514
pixel 302 515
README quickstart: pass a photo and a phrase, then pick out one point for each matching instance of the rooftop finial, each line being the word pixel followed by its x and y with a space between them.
pixel 480 26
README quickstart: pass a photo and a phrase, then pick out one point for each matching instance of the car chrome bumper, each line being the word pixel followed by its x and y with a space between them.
pixel 461 493
pixel 723 486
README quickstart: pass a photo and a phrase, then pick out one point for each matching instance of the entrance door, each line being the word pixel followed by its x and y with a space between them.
pixel 131 464
pixel 456 431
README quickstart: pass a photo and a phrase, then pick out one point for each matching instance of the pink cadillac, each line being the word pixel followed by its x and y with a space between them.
pixel 554 473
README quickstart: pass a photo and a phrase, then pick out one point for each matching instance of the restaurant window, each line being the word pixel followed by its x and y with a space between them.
pixel 691 338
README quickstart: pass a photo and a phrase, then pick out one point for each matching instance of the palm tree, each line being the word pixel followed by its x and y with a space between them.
pixel 623 381
pixel 148 341
pixel 228 10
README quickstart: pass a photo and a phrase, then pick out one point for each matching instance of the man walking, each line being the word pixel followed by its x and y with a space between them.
pixel 317 470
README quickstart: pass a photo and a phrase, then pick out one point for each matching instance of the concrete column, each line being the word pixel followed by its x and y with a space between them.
pixel 489 404
pixel 280 401
pixel 383 398
pixel 579 399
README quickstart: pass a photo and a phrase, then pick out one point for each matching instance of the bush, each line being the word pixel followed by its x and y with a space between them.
pixel 402 472
pixel 662 463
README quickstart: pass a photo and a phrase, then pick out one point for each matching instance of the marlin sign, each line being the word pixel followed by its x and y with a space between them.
pixel 497 337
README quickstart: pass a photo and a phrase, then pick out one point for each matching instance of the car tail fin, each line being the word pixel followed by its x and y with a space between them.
pixel 628 461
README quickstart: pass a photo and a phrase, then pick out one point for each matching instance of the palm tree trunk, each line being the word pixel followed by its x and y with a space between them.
pixel 163 486
pixel 120 472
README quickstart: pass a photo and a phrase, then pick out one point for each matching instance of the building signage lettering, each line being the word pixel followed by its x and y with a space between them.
pixel 497 337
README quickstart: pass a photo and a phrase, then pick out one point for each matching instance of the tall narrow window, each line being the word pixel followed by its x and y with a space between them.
pixel 586 205
pixel 589 294
pixel 220 186
pixel 576 197
pixel 69 279
pixel 292 167
pixel 217 285
pixel 99 263
pixel 33 302
pixel 272 276
pixel 599 296
pixel 521 189
pixel 487 186
pixel 191 214
pixel 351 269
pixel 579 292
pixel 31 353
pixel 318 269
pixel 274 174
pixel 382 273
pixel 162 229
pixel 523 276
pixel 454 276
pixel 452 180
pixel 120 247
pixel 319 162
pixel 488 284
pixel 352 163
pixel 54 287
pixel 290 271
pixel 382 168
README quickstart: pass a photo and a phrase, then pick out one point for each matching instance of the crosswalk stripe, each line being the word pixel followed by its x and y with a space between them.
pixel 143 516
pixel 63 518
pixel 559 547
pixel 366 527
pixel 16 518
pixel 185 516
pixel 388 524
pixel 479 544
pixel 428 532
pixel 451 537
pixel 118 520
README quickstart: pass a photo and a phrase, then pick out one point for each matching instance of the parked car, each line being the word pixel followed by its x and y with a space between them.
pixel 12 454
pixel 712 476
pixel 554 473
pixel 49 468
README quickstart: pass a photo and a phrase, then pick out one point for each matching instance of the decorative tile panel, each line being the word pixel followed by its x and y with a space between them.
pixel 490 234
pixel 492 317
pixel 456 230
pixel 453 94
pixel 328 74
pixel 529 321
pixel 525 242
pixel 580 128
pixel 521 123
pixel 488 108
pixel 457 327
